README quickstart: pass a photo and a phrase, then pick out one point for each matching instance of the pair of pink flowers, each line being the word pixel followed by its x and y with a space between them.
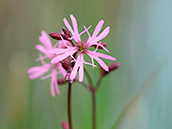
pixel 70 49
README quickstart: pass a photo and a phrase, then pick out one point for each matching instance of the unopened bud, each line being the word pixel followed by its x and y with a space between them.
pixel 66 32
pixel 66 63
pixel 65 66
pixel 112 67
pixel 65 125
pixel 55 35
pixel 66 37
pixel 99 47
pixel 61 81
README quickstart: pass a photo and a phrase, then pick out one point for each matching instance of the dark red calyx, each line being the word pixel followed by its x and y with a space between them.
pixel 112 67
pixel 55 35
pixel 66 32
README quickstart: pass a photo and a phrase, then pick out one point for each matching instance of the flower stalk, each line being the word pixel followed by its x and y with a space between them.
pixel 69 105
pixel 93 110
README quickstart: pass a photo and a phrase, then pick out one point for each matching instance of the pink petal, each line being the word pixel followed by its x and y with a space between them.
pixel 52 87
pixel 62 43
pixel 58 50
pixel 61 50
pixel 81 68
pixel 100 36
pixel 68 25
pixel 105 56
pixel 75 27
pixel 75 69
pixel 103 47
pixel 41 58
pixel 44 50
pixel 41 49
pixel 102 64
pixel 34 69
pixel 44 39
pixel 56 86
pixel 78 64
pixel 69 28
pixel 37 74
pixel 54 79
pixel 86 30
pixel 63 56
pixel 38 71
pixel 98 28
pixel 103 34
pixel 90 64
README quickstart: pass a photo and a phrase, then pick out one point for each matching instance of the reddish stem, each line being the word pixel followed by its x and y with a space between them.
pixel 69 105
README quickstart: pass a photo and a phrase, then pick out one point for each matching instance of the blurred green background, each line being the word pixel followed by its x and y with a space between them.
pixel 140 38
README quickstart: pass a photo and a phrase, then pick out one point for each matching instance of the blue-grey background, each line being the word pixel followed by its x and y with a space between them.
pixel 140 38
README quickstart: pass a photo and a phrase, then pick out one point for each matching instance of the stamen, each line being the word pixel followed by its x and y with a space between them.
pixel 81 48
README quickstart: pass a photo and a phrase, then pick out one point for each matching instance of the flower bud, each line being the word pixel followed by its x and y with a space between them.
pixel 55 35
pixel 65 66
pixel 61 81
pixel 66 32
pixel 66 37
pixel 65 125
pixel 112 67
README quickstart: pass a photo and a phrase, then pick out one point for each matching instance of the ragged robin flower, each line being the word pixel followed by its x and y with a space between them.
pixel 82 48
pixel 55 69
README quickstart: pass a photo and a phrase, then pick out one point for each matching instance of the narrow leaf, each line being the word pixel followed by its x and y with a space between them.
pixel 139 93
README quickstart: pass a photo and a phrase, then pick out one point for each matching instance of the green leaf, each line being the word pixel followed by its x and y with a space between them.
pixel 140 92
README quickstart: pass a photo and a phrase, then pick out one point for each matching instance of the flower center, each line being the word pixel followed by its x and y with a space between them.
pixel 81 48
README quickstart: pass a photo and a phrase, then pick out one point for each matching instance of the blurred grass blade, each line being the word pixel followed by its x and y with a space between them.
pixel 145 86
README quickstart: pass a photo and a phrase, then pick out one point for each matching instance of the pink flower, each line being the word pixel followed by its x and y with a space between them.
pixel 82 48
pixel 39 71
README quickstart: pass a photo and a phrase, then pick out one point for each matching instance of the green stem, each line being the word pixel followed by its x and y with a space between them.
pixel 88 77
pixel 84 84
pixel 98 83
pixel 93 110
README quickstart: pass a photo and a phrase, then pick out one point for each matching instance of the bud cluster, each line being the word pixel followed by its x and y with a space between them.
pixel 58 36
